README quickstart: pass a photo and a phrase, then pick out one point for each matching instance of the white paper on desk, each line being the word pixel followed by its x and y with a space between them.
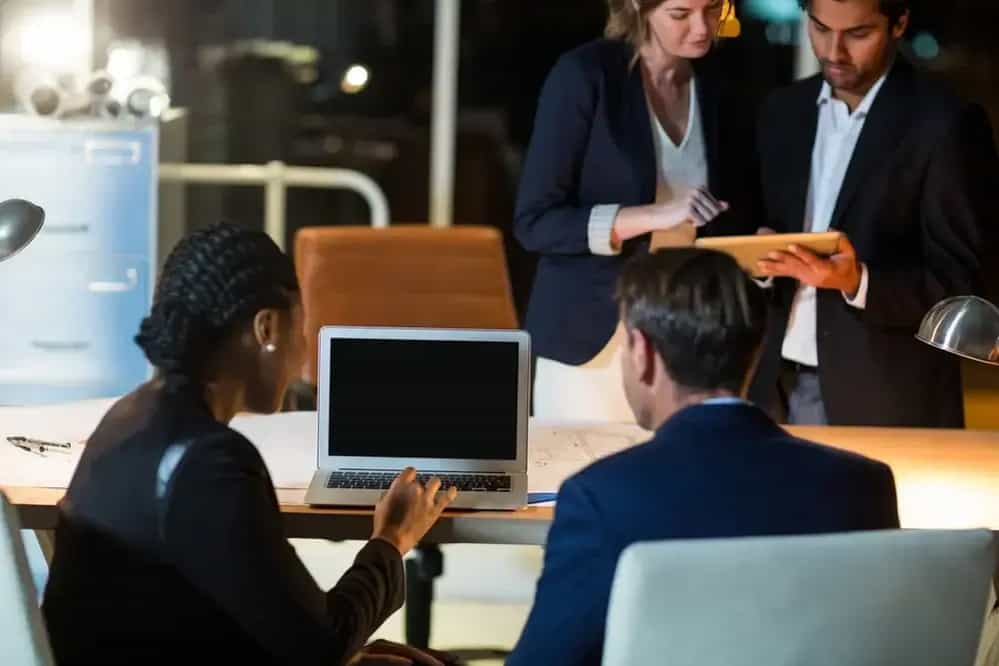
pixel 557 452
pixel 287 442
pixel 69 422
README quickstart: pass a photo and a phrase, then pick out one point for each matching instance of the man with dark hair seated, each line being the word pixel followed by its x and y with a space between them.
pixel 717 465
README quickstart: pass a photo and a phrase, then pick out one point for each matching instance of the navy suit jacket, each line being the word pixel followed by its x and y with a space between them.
pixel 710 471
pixel 592 144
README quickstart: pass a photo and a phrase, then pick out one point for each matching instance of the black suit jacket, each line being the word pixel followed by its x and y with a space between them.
pixel 158 568
pixel 921 186
pixel 592 144
pixel 710 471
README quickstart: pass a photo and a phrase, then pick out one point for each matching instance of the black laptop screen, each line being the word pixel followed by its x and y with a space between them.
pixel 423 399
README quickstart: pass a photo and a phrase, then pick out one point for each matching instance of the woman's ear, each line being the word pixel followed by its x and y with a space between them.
pixel 266 328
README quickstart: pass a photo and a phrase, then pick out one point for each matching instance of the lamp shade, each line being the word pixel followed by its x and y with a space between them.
pixel 20 222
pixel 964 325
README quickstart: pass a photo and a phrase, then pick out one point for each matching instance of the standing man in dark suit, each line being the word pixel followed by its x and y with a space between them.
pixel 717 466
pixel 909 173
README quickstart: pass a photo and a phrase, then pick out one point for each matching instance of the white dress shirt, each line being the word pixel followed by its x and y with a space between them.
pixel 679 167
pixel 836 137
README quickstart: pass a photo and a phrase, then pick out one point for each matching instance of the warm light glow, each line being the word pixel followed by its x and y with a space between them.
pixel 124 62
pixel 354 79
pixel 730 26
pixel 941 500
pixel 50 41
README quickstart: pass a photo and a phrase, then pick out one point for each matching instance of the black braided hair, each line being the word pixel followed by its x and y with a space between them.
pixel 213 281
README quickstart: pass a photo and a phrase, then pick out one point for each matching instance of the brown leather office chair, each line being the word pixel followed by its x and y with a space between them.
pixel 406 275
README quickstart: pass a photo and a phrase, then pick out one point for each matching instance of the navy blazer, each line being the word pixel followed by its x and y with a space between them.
pixel 916 202
pixel 710 471
pixel 592 144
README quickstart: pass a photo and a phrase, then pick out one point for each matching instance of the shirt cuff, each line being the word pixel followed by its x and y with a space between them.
pixel 860 300
pixel 382 547
pixel 598 231
pixel 764 283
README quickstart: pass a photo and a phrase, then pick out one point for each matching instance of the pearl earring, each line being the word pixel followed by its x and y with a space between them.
pixel 270 347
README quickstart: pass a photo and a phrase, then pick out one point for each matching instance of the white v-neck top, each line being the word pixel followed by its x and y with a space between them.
pixel 679 167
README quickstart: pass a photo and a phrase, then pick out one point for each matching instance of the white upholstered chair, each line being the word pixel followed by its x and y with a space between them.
pixel 23 639
pixel 892 598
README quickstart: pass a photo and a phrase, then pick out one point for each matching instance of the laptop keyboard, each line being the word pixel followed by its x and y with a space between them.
pixel 358 480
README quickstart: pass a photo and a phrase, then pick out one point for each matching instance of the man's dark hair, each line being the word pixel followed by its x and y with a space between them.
pixel 704 315
pixel 893 9
pixel 213 281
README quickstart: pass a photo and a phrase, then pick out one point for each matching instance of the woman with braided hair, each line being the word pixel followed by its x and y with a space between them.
pixel 170 542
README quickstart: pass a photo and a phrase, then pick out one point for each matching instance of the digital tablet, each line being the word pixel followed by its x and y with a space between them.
pixel 748 250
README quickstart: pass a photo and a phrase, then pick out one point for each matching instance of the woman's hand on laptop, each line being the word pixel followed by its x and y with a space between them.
pixel 408 510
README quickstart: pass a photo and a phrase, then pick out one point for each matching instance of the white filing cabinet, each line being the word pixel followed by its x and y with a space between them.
pixel 72 301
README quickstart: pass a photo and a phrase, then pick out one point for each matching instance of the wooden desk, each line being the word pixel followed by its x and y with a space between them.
pixel 37 511
pixel 945 479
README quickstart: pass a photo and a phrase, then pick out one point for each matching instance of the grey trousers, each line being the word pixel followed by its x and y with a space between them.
pixel 801 396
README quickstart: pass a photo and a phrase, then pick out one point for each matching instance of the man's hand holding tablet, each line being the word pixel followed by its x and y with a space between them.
pixel 826 260
pixel 814 266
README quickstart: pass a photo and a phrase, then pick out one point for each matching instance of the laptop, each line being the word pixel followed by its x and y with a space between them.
pixel 451 403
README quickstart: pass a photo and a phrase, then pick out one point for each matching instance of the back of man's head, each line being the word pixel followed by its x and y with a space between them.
pixel 703 315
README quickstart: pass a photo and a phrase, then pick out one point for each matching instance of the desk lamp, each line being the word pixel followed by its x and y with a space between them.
pixel 969 327
pixel 20 222
pixel 964 325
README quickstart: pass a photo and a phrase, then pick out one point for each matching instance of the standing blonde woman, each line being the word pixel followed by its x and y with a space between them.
pixel 634 133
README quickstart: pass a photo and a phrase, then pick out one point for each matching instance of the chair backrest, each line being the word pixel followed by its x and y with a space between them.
pixel 406 275
pixel 893 598
pixel 23 639
pixel 988 651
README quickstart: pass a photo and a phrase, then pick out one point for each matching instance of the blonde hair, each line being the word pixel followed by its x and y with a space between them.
pixel 629 19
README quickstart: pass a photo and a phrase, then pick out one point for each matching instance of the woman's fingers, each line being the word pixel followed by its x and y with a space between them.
pixel 705 205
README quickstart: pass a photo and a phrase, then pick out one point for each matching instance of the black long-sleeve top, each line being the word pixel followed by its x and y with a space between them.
pixel 170 545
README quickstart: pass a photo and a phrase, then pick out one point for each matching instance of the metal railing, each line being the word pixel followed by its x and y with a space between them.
pixel 443 116
pixel 276 177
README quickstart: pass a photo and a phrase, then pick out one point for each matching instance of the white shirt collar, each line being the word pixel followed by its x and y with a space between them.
pixel 726 400
pixel 825 95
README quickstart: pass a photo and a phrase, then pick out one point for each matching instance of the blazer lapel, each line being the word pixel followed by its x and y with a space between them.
pixel 886 122
pixel 708 97
pixel 637 135
pixel 802 125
